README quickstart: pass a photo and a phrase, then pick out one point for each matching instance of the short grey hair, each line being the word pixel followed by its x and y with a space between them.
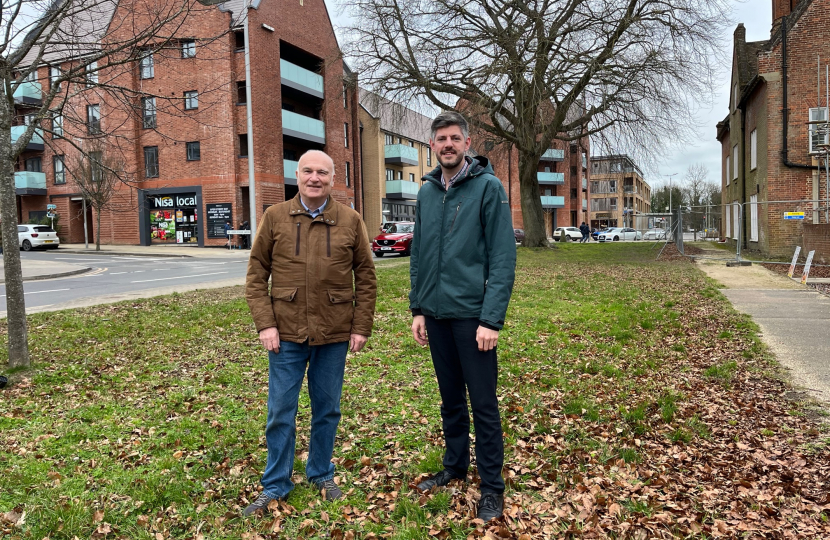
pixel 447 119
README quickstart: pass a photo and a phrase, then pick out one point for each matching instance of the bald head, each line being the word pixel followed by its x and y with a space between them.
pixel 318 154
pixel 315 177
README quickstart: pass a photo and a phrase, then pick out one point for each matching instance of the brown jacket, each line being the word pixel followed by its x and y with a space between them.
pixel 323 284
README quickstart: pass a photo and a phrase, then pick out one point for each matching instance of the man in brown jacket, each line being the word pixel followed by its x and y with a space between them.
pixel 321 303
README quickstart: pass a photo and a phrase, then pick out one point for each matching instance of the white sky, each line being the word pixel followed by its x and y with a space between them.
pixel 756 15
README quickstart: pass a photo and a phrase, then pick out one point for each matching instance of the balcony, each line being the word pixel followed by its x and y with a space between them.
pixel 584 184
pixel 553 202
pixel 629 189
pixel 584 161
pixel 35 143
pixel 553 154
pixel 400 154
pixel 303 127
pixel 551 178
pixel 30 183
pixel 301 79
pixel 289 171
pixel 584 204
pixel 28 93
pixel 401 189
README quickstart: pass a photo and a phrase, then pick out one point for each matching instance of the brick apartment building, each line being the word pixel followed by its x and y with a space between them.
pixel 618 192
pixel 770 149
pixel 395 157
pixel 187 155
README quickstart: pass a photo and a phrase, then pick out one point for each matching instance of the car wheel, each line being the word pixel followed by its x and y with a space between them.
pixel 378 254
pixel 616 239
pixel 26 245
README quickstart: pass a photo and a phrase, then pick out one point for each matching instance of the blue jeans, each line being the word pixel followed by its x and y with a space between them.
pixel 326 365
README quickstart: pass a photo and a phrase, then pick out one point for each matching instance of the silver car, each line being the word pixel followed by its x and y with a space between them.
pixel 30 236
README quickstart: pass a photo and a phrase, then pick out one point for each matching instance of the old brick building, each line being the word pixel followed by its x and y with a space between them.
pixel 771 143
pixel 183 139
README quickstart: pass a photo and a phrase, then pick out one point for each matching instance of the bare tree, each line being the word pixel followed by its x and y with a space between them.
pixel 97 174
pixel 58 59
pixel 531 71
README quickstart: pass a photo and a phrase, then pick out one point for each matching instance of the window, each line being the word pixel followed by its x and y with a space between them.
pixel 817 138
pixel 753 218
pixel 412 144
pixel 390 175
pixel 429 157
pixel 60 170
pixel 31 76
pixel 736 219
pixel 54 75
pixel 97 167
pixel 728 170
pixel 348 174
pixel 148 112
pixel 346 134
pixel 241 95
pixel 728 231
pixel 612 186
pixel 389 140
pixel 345 97
pixel 194 152
pixel 735 161
pixel 400 175
pixel 188 49
pixel 243 145
pixel 34 164
pixel 151 161
pixel 613 203
pixel 411 177
pixel 57 125
pixel 91 74
pixel 239 40
pixel 146 66
pixel 29 119
pixel 93 119
pixel 191 100
pixel 753 150
pixel 573 193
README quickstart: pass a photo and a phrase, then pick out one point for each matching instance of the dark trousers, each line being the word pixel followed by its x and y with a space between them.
pixel 461 368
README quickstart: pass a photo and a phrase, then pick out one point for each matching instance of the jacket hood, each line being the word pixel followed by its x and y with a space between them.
pixel 479 166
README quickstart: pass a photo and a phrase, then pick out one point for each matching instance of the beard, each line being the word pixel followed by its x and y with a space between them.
pixel 450 161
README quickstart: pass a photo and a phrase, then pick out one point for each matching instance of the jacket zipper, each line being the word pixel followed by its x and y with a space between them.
pixel 328 241
pixel 297 250
pixel 452 225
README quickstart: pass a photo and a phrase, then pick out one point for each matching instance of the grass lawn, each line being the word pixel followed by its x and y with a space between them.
pixel 636 403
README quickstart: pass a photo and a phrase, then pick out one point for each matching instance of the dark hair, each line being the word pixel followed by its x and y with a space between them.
pixel 447 119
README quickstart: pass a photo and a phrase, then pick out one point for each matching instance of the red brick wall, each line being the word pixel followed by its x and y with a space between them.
pixel 817 237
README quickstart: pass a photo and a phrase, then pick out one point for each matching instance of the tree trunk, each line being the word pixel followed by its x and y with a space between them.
pixel 532 214
pixel 15 302
pixel 97 230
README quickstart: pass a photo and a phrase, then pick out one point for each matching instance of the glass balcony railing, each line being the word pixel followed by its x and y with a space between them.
pixel 551 178
pixel 28 92
pixel 584 161
pixel 584 204
pixel 35 143
pixel 303 127
pixel 554 154
pixel 289 171
pixel 29 180
pixel 584 183
pixel 553 202
pixel 400 154
pixel 402 189
pixel 301 79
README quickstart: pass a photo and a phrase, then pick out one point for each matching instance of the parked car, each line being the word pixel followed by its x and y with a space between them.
pixel 596 232
pixel 30 236
pixel 396 239
pixel 654 234
pixel 519 234
pixel 615 234
pixel 572 232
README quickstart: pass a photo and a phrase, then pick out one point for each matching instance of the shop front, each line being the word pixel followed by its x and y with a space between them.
pixel 172 216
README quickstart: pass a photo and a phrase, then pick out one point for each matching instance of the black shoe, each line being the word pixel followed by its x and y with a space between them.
pixel 260 504
pixel 490 506
pixel 329 490
pixel 440 479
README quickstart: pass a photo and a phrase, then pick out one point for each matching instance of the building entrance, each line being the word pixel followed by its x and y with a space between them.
pixel 174 219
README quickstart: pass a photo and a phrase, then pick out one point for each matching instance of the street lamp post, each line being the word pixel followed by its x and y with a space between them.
pixel 670 188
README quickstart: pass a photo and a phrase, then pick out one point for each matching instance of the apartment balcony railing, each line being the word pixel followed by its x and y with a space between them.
pixel 400 154
pixel 30 183
pixel 303 127
pixel 584 204
pixel 553 202
pixel 29 93
pixel 629 189
pixel 301 79
pixel 551 178
pixel 289 171
pixel 35 143
pixel 584 161
pixel 553 154
pixel 402 189
pixel 584 183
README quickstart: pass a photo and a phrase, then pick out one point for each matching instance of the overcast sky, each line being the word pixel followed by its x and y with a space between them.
pixel 756 15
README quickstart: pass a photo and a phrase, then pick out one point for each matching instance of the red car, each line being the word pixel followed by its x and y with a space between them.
pixel 395 238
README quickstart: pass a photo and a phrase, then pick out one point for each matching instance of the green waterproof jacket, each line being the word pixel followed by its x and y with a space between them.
pixel 463 254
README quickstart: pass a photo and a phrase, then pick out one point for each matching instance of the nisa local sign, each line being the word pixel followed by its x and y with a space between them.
pixel 173 201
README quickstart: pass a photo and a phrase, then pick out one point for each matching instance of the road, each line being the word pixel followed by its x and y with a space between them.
pixel 117 277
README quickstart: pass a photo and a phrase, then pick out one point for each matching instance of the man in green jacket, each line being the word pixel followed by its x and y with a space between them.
pixel 462 268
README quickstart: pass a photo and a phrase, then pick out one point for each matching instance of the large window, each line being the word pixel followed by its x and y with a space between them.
pixel 241 94
pixel 34 164
pixel 753 150
pixel 736 219
pixel 194 151
pixel 753 218
pixel 91 74
pixel 146 66
pixel 148 112
pixel 151 161
pixel 59 168
pixel 243 145
pixel 57 125
pixel 728 231
pixel 54 75
pixel 728 170
pixel 388 139
pixel 818 132
pixel 188 48
pixel 735 162
pixel 93 119
pixel 390 175
pixel 345 134
pixel 97 159
pixel 411 177
pixel 191 100
pixel 348 174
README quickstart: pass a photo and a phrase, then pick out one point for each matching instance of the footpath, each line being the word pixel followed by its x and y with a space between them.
pixel 794 320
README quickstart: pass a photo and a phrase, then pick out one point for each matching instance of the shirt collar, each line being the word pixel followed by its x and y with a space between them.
pixel 460 174
pixel 318 211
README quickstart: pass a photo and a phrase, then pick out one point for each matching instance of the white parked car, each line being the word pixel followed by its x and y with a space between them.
pixel 655 234
pixel 572 232
pixel 616 234
pixel 30 236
